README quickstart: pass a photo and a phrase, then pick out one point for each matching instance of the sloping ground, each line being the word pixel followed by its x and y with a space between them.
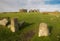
pixel 30 32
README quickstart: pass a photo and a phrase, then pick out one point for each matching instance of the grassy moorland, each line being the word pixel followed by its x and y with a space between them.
pixel 30 32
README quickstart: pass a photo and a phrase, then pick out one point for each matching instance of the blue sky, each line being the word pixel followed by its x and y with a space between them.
pixel 42 5
pixel 53 2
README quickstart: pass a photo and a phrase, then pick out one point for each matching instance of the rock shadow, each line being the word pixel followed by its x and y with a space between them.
pixel 24 24
pixel 50 29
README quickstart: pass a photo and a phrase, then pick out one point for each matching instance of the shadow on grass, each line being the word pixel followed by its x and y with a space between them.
pixel 50 29
pixel 26 36
pixel 24 24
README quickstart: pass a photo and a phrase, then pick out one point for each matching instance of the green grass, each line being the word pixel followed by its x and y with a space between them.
pixel 36 19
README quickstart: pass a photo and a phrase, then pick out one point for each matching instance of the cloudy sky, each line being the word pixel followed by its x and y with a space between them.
pixel 42 5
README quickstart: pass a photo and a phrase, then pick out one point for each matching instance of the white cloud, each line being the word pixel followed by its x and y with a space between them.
pixel 8 5
pixel 49 8
pixel 40 4
pixel 14 5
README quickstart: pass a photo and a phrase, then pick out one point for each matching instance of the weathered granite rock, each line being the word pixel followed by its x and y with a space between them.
pixel 12 28
pixel 13 24
pixel 43 30
pixel 3 22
